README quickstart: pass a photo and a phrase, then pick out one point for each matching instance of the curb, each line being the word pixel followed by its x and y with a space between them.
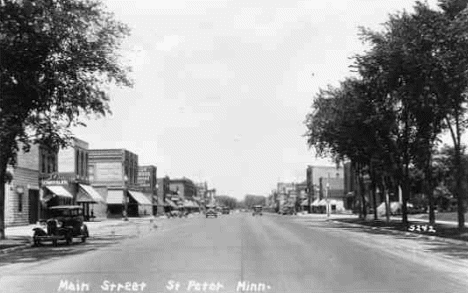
pixel 428 237
pixel 11 249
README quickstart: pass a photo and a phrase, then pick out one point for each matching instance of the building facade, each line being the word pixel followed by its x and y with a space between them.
pixel 147 181
pixel 23 194
pixel 114 173
pixel 73 177
pixel 164 195
pixel 184 188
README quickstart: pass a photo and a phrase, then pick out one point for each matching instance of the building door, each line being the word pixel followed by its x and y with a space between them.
pixel 33 206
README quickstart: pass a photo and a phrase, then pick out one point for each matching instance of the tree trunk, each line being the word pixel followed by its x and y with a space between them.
pixel 387 200
pixel 2 199
pixel 363 195
pixel 405 189
pixel 459 187
pixel 429 191
pixel 374 199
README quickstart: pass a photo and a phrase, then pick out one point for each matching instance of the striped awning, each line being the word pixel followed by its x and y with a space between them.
pixel 315 203
pixel 89 194
pixel 140 197
pixel 171 203
pixel 59 191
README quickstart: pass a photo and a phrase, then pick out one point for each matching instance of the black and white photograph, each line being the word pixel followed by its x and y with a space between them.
pixel 223 146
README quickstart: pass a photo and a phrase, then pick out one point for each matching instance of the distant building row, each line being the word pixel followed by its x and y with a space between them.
pixel 106 182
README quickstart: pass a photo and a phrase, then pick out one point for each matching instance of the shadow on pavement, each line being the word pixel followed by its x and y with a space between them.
pixel 48 252
pixel 450 249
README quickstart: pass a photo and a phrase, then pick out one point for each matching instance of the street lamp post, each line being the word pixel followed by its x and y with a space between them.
pixel 125 212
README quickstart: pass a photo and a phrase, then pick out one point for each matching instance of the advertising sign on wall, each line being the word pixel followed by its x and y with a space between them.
pixel 108 172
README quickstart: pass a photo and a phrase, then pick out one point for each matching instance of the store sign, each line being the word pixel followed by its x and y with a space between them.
pixel 56 179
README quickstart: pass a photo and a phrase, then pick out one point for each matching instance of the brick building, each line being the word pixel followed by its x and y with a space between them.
pixel 73 176
pixel 114 173
pixel 185 187
pixel 164 196
pixel 147 182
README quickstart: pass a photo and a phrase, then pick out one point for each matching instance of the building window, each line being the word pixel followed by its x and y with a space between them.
pixel 49 164
pixel 54 166
pixel 43 163
pixel 20 202
pixel 86 164
pixel 77 159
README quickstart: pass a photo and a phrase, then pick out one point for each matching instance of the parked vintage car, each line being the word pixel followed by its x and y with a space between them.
pixel 66 223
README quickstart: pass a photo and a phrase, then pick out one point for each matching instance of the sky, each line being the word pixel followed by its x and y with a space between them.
pixel 222 88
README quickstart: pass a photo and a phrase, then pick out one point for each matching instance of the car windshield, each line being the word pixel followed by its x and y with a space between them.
pixel 233 146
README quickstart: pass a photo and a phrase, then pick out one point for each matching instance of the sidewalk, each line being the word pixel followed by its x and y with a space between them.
pixel 446 231
pixel 20 237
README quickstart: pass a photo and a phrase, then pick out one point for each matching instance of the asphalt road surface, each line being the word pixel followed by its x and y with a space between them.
pixel 242 253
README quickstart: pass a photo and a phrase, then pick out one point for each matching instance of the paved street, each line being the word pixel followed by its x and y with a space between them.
pixel 241 253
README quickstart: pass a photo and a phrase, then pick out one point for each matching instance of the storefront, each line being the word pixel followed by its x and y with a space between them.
pixel 137 203
pixel 91 201
pixel 170 206
pixel 54 195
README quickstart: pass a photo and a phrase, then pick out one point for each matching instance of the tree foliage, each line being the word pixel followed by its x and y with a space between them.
pixel 57 59
pixel 412 85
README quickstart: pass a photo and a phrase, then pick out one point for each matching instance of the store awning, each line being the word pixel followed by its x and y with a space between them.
pixel 315 203
pixel 59 191
pixel 89 194
pixel 115 197
pixel 322 203
pixel 305 202
pixel 140 197
pixel 171 203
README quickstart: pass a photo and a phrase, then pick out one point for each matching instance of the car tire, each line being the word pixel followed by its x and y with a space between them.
pixel 54 243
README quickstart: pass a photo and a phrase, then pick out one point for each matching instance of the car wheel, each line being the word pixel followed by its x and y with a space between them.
pixel 69 240
pixel 54 242
pixel 83 239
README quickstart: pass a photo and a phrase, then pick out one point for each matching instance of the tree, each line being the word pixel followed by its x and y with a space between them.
pixel 452 84
pixel 57 57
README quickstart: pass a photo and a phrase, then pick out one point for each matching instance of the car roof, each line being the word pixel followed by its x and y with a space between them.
pixel 65 207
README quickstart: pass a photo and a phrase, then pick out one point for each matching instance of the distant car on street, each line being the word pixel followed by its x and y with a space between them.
pixel 257 210
pixel 226 211
pixel 211 212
